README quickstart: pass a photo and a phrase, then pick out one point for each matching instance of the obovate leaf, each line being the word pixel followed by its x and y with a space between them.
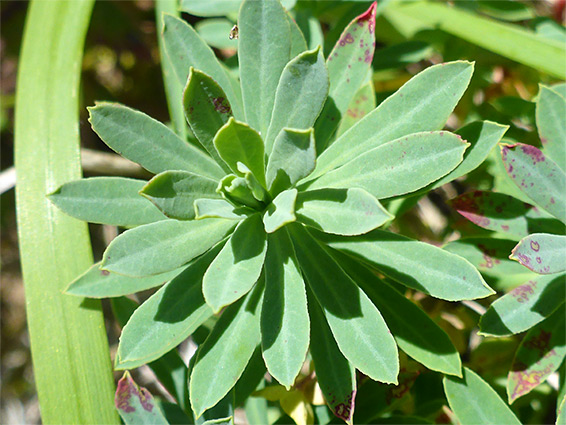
pixel 301 92
pixel 540 354
pixel 230 344
pixel 415 264
pixel 96 283
pixel 341 211
pixel 238 142
pixel 503 213
pixel 206 110
pixel 281 211
pixel 292 158
pixel 284 315
pixel 357 326
pixel 550 112
pixel 348 64
pixel 187 49
pixel 166 318
pixel 263 51
pixel 174 192
pixel 524 306
pixel 424 103
pixel 136 405
pixel 219 208
pixel 163 246
pixel 415 332
pixel 537 176
pixel 141 139
pixel 475 402
pixel 106 200
pixel 542 253
pixel 361 104
pixel 400 166
pixel 335 375
pixel 238 266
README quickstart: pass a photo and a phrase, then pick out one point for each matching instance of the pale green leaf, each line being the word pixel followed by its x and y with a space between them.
pixel 524 306
pixel 236 190
pixel 424 103
pixel 174 192
pixel 292 158
pixel 216 32
pixel 238 266
pixel 551 125
pixel 542 253
pixel 357 325
pixel 219 208
pixel 106 200
pixel 141 139
pixel 230 344
pixel 415 264
pixel 400 166
pixel 281 211
pixel 474 402
pixel 301 92
pixel 162 246
pixel 361 104
pixel 206 8
pixel 284 315
pixel 264 50
pixel 298 42
pixel 341 211
pixel 136 405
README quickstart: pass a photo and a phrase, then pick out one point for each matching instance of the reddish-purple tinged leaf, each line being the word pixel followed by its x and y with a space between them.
pixel 537 176
pixel 542 253
pixel 502 213
pixel 135 404
pixel 541 353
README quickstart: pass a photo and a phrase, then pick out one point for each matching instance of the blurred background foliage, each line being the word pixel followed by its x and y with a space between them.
pixel 121 63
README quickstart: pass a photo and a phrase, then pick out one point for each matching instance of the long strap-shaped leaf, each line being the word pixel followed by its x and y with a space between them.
pixel 68 342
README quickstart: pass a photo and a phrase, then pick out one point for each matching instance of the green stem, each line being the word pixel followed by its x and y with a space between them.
pixel 69 346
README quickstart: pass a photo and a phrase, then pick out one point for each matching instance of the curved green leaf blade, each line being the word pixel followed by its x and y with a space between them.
pixel 166 318
pixel 174 192
pixel 335 375
pixel 238 266
pixel 206 109
pixel 361 104
pixel 301 92
pixel 263 51
pixel 400 166
pixel 537 176
pixel 540 354
pixel 215 32
pixel 236 190
pixel 106 200
pixel 415 332
pixel 96 283
pixel 348 64
pixel 186 48
pixel 424 103
pixel 163 246
pixel 219 208
pixel 238 142
pixel 281 211
pixel 357 326
pixel 503 213
pixel 231 344
pixel 141 139
pixel 415 264
pixel 298 42
pixel 292 158
pixel 561 412
pixel 524 307
pixel 550 113
pixel 475 402
pixel 284 315
pixel 136 405
pixel 341 211
pixel 542 253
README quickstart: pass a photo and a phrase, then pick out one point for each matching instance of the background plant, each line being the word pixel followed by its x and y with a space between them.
pixel 403 209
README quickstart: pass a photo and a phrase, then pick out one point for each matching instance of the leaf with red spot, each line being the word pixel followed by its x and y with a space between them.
pixel 537 176
pixel 360 105
pixel 348 64
pixel 503 213
pixel 542 253
pixel 135 404
pixel 540 354
pixel 524 306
